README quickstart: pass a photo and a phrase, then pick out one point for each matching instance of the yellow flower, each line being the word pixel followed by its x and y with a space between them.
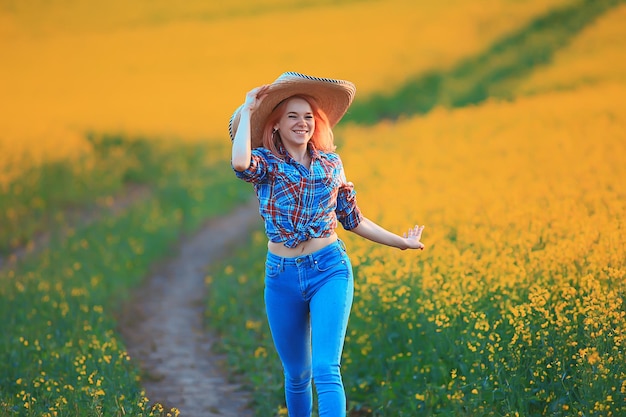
pixel 260 352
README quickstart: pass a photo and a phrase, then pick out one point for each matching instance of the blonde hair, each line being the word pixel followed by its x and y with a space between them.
pixel 322 138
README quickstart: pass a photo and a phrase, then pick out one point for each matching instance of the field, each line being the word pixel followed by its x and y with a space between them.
pixel 501 128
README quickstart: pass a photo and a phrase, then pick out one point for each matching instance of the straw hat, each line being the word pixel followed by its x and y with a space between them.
pixel 333 96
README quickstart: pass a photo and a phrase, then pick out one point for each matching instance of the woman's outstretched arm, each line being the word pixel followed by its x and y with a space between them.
pixel 372 231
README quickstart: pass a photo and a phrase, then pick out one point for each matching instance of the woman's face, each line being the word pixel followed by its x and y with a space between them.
pixel 297 124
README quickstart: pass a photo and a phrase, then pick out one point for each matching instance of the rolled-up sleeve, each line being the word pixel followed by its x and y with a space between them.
pixel 257 171
pixel 348 212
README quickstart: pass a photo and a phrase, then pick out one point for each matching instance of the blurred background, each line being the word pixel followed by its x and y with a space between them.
pixel 165 68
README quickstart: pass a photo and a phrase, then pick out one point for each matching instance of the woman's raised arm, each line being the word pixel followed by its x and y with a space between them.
pixel 242 149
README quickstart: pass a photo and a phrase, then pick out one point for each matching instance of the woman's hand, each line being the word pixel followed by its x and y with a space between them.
pixel 254 97
pixel 413 237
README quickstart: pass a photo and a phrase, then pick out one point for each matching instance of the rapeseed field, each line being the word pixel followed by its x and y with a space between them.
pixel 172 70
pixel 514 309
pixel 517 304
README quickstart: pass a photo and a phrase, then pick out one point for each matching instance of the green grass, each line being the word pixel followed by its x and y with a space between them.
pixel 48 197
pixel 43 197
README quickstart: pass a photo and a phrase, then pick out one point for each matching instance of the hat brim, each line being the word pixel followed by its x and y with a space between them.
pixel 333 96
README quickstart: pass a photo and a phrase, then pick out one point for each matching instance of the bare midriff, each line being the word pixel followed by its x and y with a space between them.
pixel 303 248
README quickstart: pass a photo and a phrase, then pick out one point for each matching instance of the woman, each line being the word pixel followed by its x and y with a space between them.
pixel 283 145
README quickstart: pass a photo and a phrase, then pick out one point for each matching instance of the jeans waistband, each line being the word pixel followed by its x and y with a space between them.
pixel 310 258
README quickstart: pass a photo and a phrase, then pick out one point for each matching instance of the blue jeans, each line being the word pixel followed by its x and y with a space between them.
pixel 308 301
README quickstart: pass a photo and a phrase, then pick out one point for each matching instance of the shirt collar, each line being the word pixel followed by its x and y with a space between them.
pixel 315 154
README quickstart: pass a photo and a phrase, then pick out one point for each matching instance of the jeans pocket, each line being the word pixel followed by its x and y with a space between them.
pixel 272 269
pixel 329 261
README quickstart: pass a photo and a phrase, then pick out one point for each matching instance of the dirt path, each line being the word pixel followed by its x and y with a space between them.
pixel 163 326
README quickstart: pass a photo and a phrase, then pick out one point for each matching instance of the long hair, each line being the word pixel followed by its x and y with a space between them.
pixel 322 138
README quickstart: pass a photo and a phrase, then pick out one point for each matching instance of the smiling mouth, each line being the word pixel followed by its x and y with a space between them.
pixel 301 132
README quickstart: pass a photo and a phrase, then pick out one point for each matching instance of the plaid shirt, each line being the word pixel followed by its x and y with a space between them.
pixel 299 204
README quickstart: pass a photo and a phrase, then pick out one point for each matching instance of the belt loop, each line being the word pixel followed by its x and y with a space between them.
pixel 282 264
pixel 311 260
